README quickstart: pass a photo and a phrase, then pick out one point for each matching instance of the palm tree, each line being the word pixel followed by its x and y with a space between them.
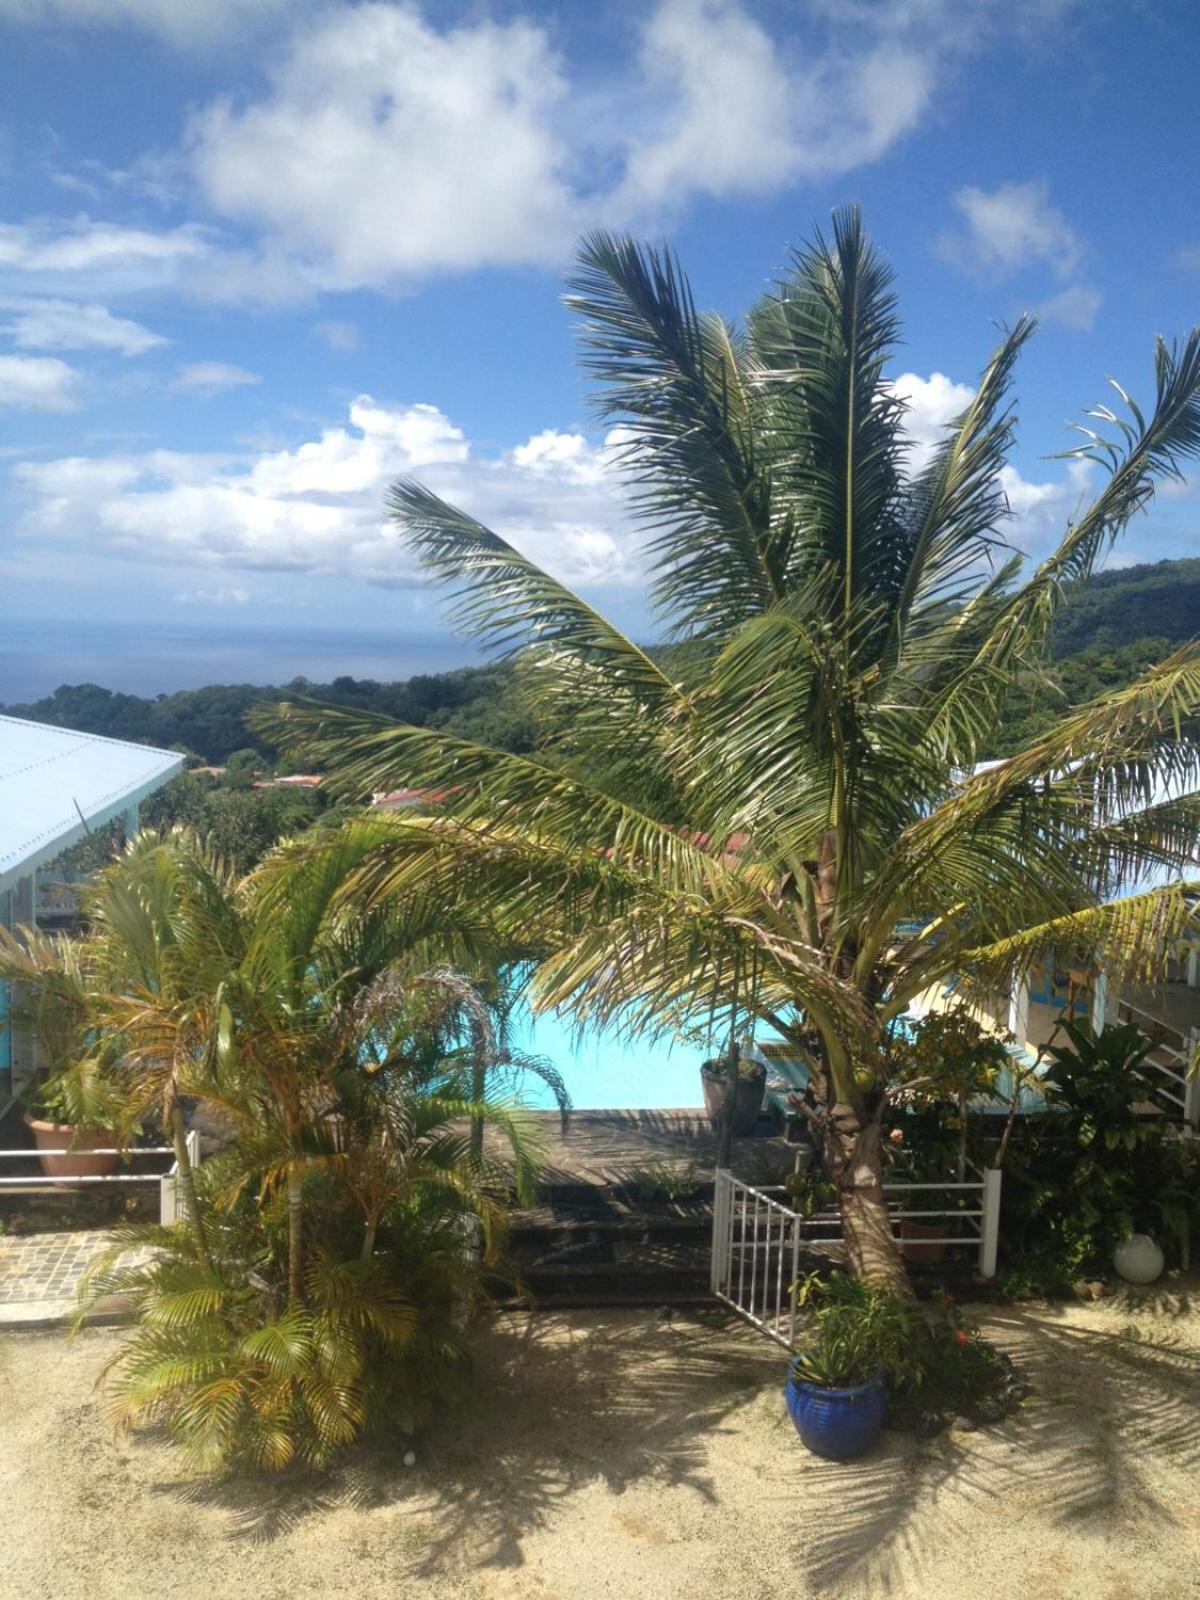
pixel 778 818
pixel 238 1365
pixel 331 1247
pixel 252 995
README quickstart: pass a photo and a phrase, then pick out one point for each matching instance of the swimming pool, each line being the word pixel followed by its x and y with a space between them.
pixel 603 1071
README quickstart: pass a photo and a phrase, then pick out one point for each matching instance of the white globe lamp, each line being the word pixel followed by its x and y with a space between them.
pixel 1138 1259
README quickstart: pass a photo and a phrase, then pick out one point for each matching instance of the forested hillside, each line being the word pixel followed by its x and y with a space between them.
pixel 1105 635
pixel 210 723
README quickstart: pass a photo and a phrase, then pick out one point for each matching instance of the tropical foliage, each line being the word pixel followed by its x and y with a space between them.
pixel 327 1257
pixel 1102 1167
pixel 933 1360
pixel 778 821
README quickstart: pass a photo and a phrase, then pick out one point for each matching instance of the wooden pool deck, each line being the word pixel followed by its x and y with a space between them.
pixel 605 1147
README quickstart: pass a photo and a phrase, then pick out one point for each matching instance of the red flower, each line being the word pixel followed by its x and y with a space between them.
pixel 963 1336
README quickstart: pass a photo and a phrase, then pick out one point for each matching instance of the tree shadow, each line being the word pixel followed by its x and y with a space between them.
pixel 626 1398
pixel 1107 1404
pixel 562 1404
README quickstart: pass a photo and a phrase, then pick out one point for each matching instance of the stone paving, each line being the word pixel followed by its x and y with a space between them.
pixel 40 1267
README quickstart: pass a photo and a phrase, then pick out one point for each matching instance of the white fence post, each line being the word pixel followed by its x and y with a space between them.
pixel 989 1223
pixel 720 1241
pixel 795 1276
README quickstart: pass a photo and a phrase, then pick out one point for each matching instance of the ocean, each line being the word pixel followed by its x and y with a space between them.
pixel 154 658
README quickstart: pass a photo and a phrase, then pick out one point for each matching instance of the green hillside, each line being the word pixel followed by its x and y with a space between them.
pixel 1160 600
pixel 1107 632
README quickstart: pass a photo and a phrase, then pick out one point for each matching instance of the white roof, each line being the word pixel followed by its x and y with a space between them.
pixel 57 784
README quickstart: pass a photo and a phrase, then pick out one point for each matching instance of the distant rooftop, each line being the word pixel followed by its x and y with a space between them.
pixel 57 784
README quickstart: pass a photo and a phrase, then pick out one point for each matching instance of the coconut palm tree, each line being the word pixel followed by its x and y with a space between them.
pixel 778 818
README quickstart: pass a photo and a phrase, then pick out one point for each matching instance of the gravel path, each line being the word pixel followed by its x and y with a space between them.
pixel 622 1456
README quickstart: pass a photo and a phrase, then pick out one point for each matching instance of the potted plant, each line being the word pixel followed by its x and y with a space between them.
pixel 72 1113
pixel 71 1108
pixel 835 1385
pixel 837 1406
pixel 748 1096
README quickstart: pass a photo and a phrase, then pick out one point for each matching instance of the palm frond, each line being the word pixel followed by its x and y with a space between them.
pixel 505 599
pixel 673 382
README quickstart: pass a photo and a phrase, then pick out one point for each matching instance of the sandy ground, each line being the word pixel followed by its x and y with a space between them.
pixel 621 1455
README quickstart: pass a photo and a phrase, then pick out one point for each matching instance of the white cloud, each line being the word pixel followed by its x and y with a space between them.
pixel 930 404
pixel 82 256
pixel 75 325
pixel 181 22
pixel 1075 307
pixel 727 120
pixel 37 383
pixel 210 377
pixel 318 508
pixel 385 147
pixel 1039 511
pixel 213 597
pixel 385 143
pixel 738 110
pixel 1009 228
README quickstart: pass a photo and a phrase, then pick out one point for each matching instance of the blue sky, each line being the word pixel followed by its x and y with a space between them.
pixel 258 256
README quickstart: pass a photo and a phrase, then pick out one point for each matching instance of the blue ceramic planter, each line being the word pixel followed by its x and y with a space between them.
pixel 837 1424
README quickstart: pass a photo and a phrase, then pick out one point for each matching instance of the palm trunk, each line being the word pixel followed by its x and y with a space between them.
pixel 728 1109
pixel 368 1244
pixel 295 1197
pixel 185 1181
pixel 482 1054
pixel 478 1090
pixel 855 1148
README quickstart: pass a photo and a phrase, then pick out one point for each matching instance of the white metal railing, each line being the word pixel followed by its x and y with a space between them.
pixel 42 1183
pixel 757 1239
pixel 1174 1081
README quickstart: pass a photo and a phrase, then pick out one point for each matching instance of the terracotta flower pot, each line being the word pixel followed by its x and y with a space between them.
pixel 924 1242
pixel 51 1137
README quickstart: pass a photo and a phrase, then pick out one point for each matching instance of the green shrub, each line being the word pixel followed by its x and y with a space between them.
pixel 934 1360
pixel 1078 1182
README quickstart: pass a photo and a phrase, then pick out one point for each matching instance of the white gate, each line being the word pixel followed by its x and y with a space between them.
pixel 757 1239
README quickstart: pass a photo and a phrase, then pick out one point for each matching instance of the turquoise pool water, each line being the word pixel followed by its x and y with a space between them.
pixel 603 1071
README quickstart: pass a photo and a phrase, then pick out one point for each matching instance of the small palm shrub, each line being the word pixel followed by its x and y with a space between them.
pixel 238 1373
